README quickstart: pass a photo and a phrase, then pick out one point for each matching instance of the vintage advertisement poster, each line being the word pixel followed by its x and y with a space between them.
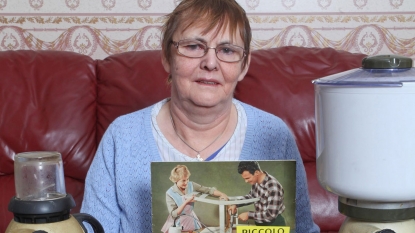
pixel 223 196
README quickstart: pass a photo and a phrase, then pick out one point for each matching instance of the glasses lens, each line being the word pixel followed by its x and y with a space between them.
pixel 229 53
pixel 225 52
pixel 191 48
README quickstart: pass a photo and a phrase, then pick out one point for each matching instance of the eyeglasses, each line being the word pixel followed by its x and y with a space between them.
pixel 197 49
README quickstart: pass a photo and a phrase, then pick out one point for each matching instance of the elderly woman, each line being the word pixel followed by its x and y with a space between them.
pixel 206 52
pixel 180 201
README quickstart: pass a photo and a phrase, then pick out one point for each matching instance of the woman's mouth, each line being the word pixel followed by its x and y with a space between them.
pixel 207 82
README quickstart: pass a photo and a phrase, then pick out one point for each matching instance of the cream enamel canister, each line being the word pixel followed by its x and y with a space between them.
pixel 365 130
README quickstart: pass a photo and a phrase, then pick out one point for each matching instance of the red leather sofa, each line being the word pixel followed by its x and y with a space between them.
pixel 64 101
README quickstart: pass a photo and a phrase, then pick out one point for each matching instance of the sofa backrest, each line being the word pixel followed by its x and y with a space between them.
pixel 128 82
pixel 47 103
pixel 64 101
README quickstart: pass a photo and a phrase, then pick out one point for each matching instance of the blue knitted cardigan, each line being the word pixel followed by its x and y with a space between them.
pixel 118 186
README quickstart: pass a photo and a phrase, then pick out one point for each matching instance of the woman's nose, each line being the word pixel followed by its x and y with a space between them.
pixel 210 61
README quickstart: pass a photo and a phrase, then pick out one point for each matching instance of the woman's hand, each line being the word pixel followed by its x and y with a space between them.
pixel 224 197
pixel 221 195
pixel 189 199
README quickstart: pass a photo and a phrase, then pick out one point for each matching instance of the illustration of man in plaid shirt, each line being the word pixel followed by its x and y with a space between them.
pixel 271 193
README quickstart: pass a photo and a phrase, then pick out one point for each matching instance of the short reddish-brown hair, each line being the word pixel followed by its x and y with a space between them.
pixel 208 13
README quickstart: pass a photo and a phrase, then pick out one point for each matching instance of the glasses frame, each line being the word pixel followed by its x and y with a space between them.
pixel 177 44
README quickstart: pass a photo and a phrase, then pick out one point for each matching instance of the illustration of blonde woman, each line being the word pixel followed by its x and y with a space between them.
pixel 180 201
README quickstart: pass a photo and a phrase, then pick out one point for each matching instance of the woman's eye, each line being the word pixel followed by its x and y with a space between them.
pixel 226 50
pixel 194 47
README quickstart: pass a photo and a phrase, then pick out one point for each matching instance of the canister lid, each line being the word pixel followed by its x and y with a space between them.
pixel 386 62
pixel 380 70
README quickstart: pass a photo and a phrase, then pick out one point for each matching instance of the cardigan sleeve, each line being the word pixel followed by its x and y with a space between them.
pixel 100 199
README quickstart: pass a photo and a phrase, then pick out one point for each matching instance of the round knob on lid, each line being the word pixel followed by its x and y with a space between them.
pixel 386 62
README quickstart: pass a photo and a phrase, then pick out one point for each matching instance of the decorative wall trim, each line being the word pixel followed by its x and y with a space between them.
pixel 264 18
pixel 99 34
pixel 80 39
pixel 369 39
pixel 78 20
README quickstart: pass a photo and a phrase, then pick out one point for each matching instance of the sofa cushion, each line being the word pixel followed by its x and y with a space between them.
pixel 128 82
pixel 47 104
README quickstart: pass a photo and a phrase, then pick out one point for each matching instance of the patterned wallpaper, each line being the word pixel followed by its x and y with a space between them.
pixel 99 28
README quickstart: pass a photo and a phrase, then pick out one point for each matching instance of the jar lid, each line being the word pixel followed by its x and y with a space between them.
pixel 386 62
pixel 381 70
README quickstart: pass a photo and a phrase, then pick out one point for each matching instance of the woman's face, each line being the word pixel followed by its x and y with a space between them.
pixel 205 81
pixel 182 183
